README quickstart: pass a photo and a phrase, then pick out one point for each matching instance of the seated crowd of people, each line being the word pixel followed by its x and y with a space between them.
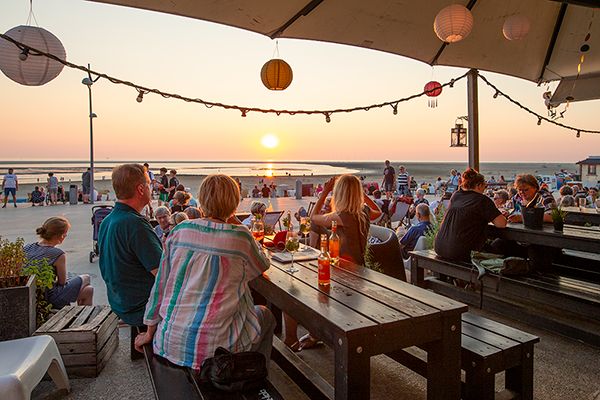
pixel 184 282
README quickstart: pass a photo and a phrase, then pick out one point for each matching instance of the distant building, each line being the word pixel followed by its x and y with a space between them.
pixel 589 170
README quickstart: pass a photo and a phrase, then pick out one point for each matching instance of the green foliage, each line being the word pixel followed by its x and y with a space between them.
pixel 370 260
pixel 12 260
pixel 436 222
pixel 44 279
pixel 558 214
pixel 286 222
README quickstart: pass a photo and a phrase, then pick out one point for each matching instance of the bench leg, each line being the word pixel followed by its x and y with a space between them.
pixel 352 371
pixel 417 275
pixel 520 379
pixel 479 384
pixel 443 362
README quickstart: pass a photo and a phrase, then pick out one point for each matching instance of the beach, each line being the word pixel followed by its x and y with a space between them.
pixel 251 173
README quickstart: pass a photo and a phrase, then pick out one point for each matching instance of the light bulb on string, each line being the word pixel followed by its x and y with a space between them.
pixel 24 54
pixel 140 96
pixel 539 121
pixel 496 94
pixel 578 135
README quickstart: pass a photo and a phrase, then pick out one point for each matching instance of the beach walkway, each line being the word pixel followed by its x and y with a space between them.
pixel 564 368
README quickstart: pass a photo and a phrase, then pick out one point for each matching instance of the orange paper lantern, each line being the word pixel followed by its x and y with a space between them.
pixel 516 27
pixel 276 74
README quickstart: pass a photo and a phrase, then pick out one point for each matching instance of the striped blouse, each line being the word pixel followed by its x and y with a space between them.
pixel 201 299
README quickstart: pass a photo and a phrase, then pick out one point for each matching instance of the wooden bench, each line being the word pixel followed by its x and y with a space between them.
pixel 170 382
pixel 557 301
pixel 488 348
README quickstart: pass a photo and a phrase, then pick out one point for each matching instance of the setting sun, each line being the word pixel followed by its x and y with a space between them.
pixel 270 141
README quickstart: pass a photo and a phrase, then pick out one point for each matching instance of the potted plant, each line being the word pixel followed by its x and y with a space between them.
pixel 17 292
pixel 558 218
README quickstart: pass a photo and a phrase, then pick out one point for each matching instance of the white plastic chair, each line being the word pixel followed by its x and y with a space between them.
pixel 23 364
pixel 420 245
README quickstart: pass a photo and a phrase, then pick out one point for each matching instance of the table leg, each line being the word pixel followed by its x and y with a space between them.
pixel 520 379
pixel 352 371
pixel 443 362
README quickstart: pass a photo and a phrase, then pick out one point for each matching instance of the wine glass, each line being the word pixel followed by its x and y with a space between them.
pixel 582 203
pixel 258 230
pixel 292 244
pixel 304 227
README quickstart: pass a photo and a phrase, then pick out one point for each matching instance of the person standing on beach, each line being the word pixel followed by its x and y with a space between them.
pixel 52 188
pixel 403 181
pixel 389 179
pixel 10 185
pixel 173 183
pixel 130 251
pixel 163 185
pixel 85 184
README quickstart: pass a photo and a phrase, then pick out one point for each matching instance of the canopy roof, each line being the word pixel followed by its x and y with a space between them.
pixel 549 52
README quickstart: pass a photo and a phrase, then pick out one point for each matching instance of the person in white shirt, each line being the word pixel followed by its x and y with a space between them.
pixel 10 185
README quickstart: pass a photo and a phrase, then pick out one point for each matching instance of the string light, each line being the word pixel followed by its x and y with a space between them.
pixel 244 110
pixel 496 94
pixel 140 96
pixel 578 134
pixel 24 54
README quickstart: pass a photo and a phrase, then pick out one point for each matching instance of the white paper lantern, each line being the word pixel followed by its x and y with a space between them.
pixel 453 23
pixel 516 27
pixel 35 70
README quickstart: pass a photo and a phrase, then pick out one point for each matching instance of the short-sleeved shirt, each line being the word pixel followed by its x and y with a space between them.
pixel 463 227
pixel 409 240
pixel 164 180
pixel 129 250
pixel 403 179
pixel 388 174
pixel 10 181
pixel 52 182
pixel 543 198
pixel 173 182
pixel 201 299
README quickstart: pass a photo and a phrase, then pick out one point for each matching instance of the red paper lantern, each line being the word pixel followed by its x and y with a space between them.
pixel 433 89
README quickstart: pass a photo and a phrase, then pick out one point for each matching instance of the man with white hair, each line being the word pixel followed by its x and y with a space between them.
pixel 163 216
pixel 409 240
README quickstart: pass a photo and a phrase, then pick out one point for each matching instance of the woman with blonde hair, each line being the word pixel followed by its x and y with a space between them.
pixel 64 291
pixel 201 299
pixel 352 210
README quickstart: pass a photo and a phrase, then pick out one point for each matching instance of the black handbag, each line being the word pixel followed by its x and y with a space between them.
pixel 234 372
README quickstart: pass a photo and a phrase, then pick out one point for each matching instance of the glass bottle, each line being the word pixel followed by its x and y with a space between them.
pixel 334 244
pixel 324 263
pixel 258 229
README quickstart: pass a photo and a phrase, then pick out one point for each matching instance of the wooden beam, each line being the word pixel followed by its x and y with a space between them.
pixel 473 108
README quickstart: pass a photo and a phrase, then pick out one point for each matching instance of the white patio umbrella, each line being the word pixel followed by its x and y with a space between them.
pixel 550 51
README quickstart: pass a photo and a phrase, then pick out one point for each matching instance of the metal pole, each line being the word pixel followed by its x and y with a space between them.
pixel 473 108
pixel 91 149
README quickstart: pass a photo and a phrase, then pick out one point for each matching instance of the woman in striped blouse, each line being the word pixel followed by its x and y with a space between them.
pixel 201 299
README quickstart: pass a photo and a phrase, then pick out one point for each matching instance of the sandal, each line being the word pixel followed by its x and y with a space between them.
pixel 308 342
pixel 295 347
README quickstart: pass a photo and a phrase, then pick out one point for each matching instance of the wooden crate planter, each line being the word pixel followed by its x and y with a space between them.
pixel 86 337
pixel 17 310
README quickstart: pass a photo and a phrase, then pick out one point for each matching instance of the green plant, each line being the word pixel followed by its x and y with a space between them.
pixel 436 222
pixel 558 214
pixel 286 222
pixel 12 260
pixel 370 260
pixel 44 279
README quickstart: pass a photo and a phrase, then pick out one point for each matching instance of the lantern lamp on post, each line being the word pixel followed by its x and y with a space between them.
pixel 458 134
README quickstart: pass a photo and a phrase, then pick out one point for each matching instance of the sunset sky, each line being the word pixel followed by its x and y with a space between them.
pixel 222 64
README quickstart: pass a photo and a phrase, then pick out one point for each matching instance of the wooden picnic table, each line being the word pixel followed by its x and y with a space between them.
pixel 365 313
pixel 581 216
pixel 572 237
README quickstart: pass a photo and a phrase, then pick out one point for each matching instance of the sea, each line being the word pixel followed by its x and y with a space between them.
pixel 36 171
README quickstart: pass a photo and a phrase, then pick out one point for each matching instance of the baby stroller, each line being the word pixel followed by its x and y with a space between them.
pixel 98 214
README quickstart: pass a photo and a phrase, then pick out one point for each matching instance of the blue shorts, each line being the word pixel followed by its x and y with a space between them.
pixel 60 296
pixel 8 191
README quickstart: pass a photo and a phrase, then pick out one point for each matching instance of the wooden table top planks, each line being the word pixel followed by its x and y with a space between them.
pixel 572 237
pixel 365 313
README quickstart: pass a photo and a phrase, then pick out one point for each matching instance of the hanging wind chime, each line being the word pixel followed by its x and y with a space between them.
pixel 432 89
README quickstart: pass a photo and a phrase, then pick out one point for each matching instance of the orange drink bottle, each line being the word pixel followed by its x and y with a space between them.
pixel 324 263
pixel 334 244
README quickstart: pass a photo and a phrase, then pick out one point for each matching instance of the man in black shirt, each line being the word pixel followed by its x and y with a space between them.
pixel 173 183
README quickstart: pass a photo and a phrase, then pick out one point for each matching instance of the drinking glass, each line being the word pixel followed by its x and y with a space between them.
pixel 304 227
pixel 258 230
pixel 292 244
pixel 582 203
